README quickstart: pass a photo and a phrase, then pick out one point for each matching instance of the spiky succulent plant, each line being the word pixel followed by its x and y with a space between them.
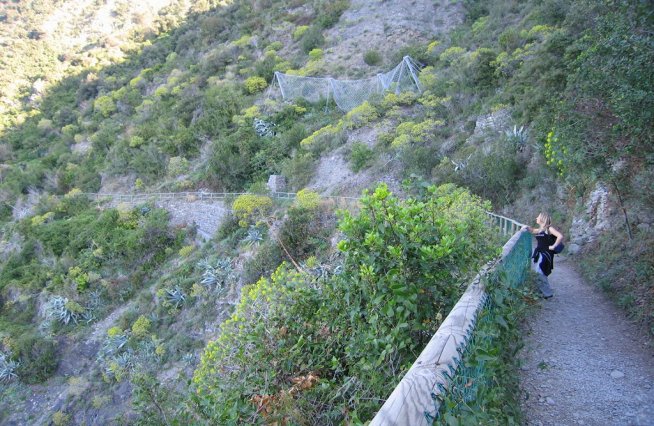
pixel 216 277
pixel 7 368
pixel 65 311
pixel 175 296
pixel 254 236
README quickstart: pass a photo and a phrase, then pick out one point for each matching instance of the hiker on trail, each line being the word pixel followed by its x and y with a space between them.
pixel 547 238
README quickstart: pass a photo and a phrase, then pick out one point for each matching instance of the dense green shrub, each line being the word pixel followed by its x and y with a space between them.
pixel 360 156
pixel 312 39
pixel 372 57
pixel 294 341
pixel 265 260
pixel 37 356
pixel 255 84
pixel 305 230
pixel 299 170
pixel 251 208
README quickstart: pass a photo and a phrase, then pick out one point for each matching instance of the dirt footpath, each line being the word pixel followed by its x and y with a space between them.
pixel 583 362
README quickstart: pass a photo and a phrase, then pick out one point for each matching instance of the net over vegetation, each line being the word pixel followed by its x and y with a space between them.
pixel 348 94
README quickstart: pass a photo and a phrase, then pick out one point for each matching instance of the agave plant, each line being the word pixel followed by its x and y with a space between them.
pixel 189 358
pixel 112 345
pixel 216 277
pixel 63 310
pixel 7 368
pixel 518 137
pixel 254 236
pixel 460 165
pixel 264 128
pixel 125 360
pixel 175 296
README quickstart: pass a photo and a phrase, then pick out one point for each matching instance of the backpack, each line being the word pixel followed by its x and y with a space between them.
pixel 558 249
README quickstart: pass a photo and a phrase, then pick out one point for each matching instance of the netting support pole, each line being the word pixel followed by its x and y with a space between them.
pixel 380 80
pixel 332 89
pixel 281 87
pixel 409 65
pixel 399 78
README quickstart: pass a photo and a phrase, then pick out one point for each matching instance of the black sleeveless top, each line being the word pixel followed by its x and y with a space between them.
pixel 543 253
pixel 544 240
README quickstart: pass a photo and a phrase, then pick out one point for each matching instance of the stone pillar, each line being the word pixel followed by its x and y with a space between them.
pixel 277 183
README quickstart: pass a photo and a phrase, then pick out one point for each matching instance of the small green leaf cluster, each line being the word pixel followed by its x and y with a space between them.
pixel 555 153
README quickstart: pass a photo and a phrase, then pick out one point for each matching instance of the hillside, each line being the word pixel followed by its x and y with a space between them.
pixel 107 309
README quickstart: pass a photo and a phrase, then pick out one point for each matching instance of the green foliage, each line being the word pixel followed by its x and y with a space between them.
pixel 485 389
pixel 299 31
pixel 37 356
pixel 404 263
pixel 372 58
pixel 255 84
pixel 324 138
pixel 625 272
pixel 361 116
pixel 141 328
pixel 612 82
pixel 360 156
pixel 329 12
pixel 311 39
pixel 481 68
pixel 299 170
pixel 306 228
pixel 307 199
pixel 490 175
pixel 250 208
pixel 316 54
pixel 267 258
pixel 104 105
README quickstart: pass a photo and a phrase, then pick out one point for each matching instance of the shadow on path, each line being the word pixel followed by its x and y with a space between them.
pixel 583 362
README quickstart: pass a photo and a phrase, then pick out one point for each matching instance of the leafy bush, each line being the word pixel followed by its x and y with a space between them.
pixel 372 57
pixel 361 116
pixel 315 54
pixel 141 327
pixel 255 84
pixel 299 31
pixel 311 39
pixel 104 105
pixel 37 356
pixel 305 229
pixel 360 156
pixel 299 170
pixel 266 259
pixel 249 208
pixel 343 343
pixel 307 199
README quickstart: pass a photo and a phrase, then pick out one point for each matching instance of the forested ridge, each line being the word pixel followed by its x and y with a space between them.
pixel 122 315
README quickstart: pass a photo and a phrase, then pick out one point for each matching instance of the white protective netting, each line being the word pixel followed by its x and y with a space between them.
pixel 348 94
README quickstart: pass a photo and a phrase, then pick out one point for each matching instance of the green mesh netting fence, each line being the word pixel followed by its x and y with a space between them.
pixel 470 378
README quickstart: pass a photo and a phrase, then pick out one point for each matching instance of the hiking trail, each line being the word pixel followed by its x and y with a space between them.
pixel 583 361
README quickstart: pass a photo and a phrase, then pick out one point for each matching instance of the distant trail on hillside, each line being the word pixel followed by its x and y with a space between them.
pixel 583 362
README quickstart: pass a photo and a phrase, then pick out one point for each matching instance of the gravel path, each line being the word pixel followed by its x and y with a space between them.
pixel 583 362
